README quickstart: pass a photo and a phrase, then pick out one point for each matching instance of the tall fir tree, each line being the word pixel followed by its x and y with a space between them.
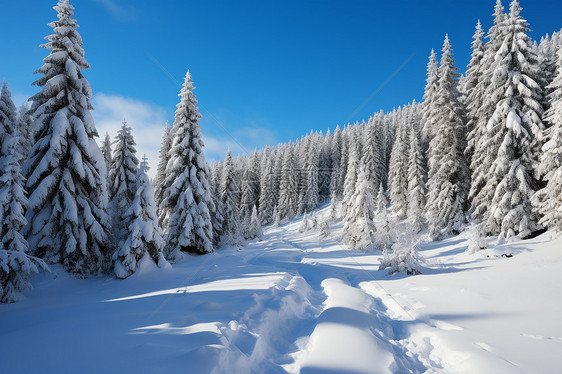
pixel 163 158
pixel 514 133
pixel 7 113
pixel 472 97
pixel 250 186
pixel 359 228
pixel 398 173
pixel 429 107
pixel 66 173
pixel 122 180
pixel 187 202
pixel 448 177
pixel 267 193
pixel 107 151
pixel 143 235
pixel 288 187
pixel 24 123
pixel 232 225
pixel 549 199
pixel 417 176
pixel 17 267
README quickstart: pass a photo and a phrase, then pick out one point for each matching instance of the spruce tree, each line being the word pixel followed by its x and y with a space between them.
pixel 515 133
pixel 359 228
pixel 17 267
pixel 373 155
pixel 288 187
pixel 398 173
pixel 416 181
pixel 232 224
pixel 24 127
pixel 106 151
pixel 448 179
pixel 251 186
pixel 143 235
pixel 187 203
pixel 122 180
pixel 429 108
pixel 353 168
pixel 7 113
pixel 164 157
pixel 549 199
pixel 473 95
pixel 66 174
pixel 267 193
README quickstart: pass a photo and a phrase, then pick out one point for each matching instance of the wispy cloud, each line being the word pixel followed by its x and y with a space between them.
pixel 121 11
pixel 146 119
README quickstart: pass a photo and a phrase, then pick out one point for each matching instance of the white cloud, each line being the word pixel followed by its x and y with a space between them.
pixel 147 121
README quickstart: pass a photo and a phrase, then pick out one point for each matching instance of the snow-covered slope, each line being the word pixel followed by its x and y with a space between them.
pixel 297 302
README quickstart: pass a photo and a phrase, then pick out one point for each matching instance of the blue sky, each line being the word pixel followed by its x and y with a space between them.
pixel 267 71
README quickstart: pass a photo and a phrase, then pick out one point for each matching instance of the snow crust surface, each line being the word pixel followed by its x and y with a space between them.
pixel 299 303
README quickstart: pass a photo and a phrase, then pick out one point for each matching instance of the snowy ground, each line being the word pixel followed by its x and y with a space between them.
pixel 298 303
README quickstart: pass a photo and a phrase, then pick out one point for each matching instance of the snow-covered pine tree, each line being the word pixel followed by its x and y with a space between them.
pixel 359 228
pixel 163 158
pixel 24 127
pixel 383 239
pixel 232 224
pixel 448 178
pixel 398 173
pixel 122 180
pixel 325 166
pixel 514 133
pixel 17 267
pixel 66 174
pixel 310 193
pixel 187 203
pixel 288 193
pixel 482 106
pixel 353 169
pixel 251 187
pixel 429 107
pixel 267 193
pixel 336 150
pixel 342 167
pixel 549 199
pixel 217 219
pixel 416 181
pixel 106 151
pixel 143 235
pixel 255 230
pixel 472 97
pixel 404 257
pixel 373 154
pixel 7 113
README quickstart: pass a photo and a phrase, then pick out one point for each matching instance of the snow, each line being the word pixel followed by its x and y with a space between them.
pixel 299 302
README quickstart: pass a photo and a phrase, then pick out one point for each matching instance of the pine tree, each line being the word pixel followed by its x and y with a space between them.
pixel 383 239
pixel 429 107
pixel 122 180
pixel 143 235
pixel 481 108
pixel 373 155
pixel 515 133
pixel 448 181
pixel 549 199
pixel 25 129
pixel 310 192
pixel 416 182
pixel 359 228
pixel 353 168
pixel 7 113
pixel 398 173
pixel 232 225
pixel 66 174
pixel 255 230
pixel 163 159
pixel 288 194
pixel 187 202
pixel 267 193
pixel 473 95
pixel 106 151
pixel 17 267
pixel 251 186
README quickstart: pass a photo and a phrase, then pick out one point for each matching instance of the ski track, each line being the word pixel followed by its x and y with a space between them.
pixel 293 303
